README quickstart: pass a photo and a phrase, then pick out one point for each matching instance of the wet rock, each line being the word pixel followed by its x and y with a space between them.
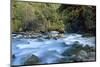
pixel 40 39
pixel 82 56
pixel 32 60
pixel 87 35
pixel 76 43
pixel 13 56
pixel 89 49
pixel 55 38
pixel 47 37
pixel 75 48
pixel 61 35
pixel 92 56
pixel 75 58
pixel 54 33
pixel 62 60
pixel 77 54
pixel 19 36
pixel 83 53
pixel 42 32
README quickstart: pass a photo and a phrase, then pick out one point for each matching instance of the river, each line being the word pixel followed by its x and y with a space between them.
pixel 47 50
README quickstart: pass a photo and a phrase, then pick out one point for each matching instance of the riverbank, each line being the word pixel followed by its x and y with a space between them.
pixel 47 35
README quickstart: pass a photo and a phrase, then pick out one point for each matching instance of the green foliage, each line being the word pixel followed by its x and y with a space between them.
pixel 29 16
pixel 36 17
pixel 79 18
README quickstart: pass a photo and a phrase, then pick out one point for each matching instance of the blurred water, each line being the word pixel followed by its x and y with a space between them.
pixel 48 50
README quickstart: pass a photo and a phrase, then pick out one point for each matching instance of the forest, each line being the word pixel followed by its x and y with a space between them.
pixel 45 17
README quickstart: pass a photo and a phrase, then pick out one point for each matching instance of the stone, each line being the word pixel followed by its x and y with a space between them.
pixel 32 60
pixel 61 35
pixel 13 56
pixel 92 56
pixel 74 49
pixel 83 53
pixel 81 56
pixel 40 39
pixel 54 33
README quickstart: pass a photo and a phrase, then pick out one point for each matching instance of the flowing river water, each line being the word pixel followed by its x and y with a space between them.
pixel 47 50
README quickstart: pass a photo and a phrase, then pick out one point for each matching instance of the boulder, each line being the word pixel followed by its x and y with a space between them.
pixel 82 56
pixel 74 49
pixel 13 56
pixel 54 33
pixel 92 56
pixel 61 35
pixel 83 53
pixel 32 60
pixel 40 39
pixel 88 48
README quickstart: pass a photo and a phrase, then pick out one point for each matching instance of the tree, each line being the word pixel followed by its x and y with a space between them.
pixel 79 18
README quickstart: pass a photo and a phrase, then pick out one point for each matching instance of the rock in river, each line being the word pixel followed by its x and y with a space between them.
pixel 75 48
pixel 32 60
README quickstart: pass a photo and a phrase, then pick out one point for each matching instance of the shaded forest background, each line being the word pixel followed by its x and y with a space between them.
pixel 36 17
